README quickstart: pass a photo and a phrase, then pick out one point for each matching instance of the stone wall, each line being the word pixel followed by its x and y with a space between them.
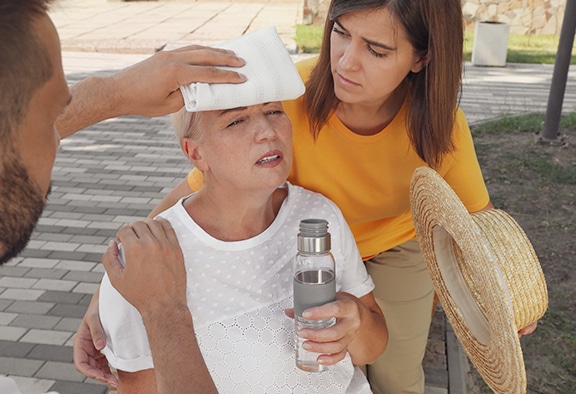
pixel 538 17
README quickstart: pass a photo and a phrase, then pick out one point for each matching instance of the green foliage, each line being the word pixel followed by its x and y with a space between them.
pixel 309 38
pixel 568 121
pixel 542 165
pixel 525 123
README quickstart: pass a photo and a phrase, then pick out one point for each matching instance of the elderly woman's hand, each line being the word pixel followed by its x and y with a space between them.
pixel 360 329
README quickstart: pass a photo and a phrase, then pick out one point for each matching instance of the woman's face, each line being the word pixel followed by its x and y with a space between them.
pixel 246 147
pixel 370 56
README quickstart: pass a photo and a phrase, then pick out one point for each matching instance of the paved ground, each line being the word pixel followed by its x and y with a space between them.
pixel 116 171
pixel 142 27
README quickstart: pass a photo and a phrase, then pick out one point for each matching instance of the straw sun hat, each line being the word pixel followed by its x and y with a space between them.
pixel 486 275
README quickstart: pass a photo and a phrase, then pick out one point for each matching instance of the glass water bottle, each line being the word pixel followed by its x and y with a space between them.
pixel 314 284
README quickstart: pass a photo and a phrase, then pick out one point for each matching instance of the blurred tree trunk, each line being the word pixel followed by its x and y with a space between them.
pixel 560 76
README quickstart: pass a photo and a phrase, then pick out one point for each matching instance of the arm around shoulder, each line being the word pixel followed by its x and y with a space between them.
pixel 154 282
pixel 179 364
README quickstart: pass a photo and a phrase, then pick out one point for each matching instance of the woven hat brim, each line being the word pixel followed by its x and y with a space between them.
pixel 470 283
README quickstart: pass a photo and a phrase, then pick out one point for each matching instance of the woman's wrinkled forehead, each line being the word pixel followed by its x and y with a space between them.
pixel 194 125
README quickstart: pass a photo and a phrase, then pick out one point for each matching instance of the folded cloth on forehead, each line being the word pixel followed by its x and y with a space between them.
pixel 270 72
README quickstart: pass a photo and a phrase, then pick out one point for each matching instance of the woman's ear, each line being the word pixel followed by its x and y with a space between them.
pixel 192 152
pixel 421 63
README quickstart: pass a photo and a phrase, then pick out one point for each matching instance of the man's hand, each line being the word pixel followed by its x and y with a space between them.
pixel 151 87
pixel 154 278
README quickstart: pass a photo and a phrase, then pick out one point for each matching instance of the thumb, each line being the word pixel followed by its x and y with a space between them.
pixel 112 263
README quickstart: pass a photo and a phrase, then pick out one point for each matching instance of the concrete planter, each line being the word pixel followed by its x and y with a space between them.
pixel 490 44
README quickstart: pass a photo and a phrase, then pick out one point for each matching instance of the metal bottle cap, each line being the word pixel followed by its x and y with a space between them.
pixel 314 236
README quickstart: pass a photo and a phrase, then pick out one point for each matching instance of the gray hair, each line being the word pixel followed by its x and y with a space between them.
pixel 187 125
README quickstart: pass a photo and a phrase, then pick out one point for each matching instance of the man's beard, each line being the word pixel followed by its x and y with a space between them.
pixel 21 204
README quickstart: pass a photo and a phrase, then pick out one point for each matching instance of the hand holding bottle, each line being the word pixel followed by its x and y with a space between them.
pixel 351 324
pixel 331 344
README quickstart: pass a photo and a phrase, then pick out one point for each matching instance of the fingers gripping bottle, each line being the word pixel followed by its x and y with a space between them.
pixel 314 284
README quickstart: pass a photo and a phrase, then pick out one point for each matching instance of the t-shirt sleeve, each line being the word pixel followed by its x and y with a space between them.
pixel 462 171
pixel 127 346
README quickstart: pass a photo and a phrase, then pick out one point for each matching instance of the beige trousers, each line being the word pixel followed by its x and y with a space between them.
pixel 405 293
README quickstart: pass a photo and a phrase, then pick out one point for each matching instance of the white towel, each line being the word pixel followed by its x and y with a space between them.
pixel 270 72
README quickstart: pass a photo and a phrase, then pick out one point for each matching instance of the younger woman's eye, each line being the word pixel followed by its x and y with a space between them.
pixel 336 30
pixel 375 53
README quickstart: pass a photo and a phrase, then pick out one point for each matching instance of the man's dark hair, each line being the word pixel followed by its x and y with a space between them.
pixel 24 63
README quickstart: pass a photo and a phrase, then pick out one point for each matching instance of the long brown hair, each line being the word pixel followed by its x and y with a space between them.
pixel 435 29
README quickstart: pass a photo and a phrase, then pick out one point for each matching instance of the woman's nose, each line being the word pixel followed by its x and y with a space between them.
pixel 350 56
pixel 266 130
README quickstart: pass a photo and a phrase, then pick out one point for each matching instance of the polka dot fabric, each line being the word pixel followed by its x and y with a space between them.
pixel 237 294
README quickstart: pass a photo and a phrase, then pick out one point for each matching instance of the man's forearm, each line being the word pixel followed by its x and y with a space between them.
pixel 93 100
pixel 148 88
pixel 178 362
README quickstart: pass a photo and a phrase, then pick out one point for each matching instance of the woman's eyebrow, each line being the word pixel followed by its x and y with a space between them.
pixel 380 45
pixel 367 41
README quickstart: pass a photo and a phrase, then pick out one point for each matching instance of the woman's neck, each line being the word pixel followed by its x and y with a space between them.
pixel 234 217
pixel 370 119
